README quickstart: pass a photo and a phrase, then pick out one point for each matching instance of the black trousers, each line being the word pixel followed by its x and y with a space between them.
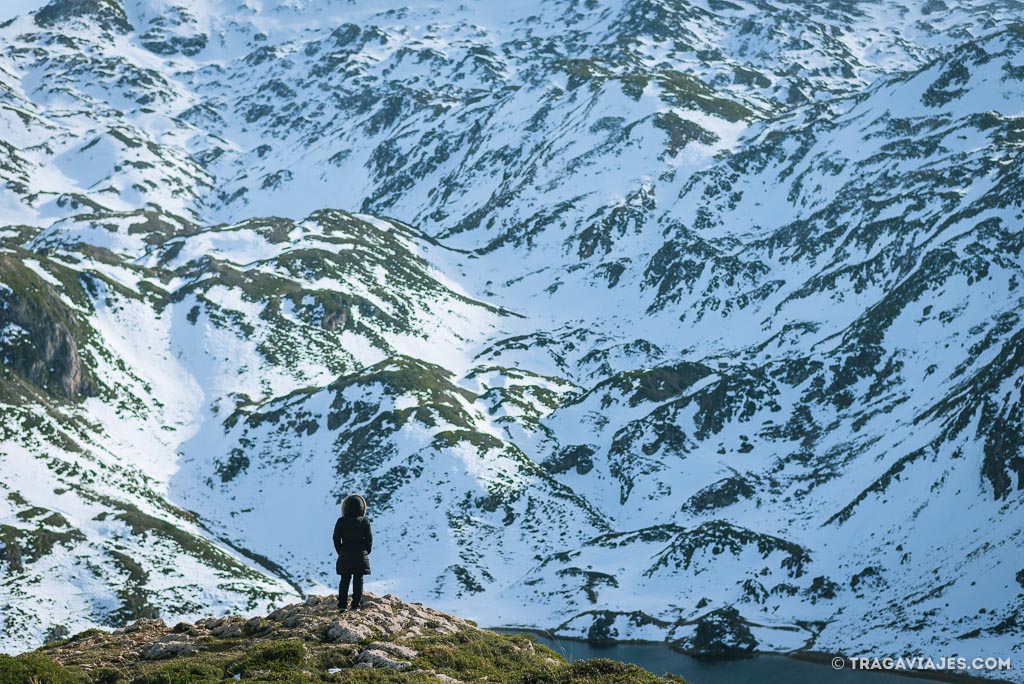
pixel 356 578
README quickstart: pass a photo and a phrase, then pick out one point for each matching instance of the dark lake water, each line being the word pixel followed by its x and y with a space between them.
pixel 659 659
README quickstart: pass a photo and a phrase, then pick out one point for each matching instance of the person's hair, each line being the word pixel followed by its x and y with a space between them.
pixel 353 506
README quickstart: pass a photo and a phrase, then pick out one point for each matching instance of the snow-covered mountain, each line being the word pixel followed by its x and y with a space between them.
pixel 638 319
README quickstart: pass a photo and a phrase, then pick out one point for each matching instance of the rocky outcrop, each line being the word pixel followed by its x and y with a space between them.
pixel 39 334
pixel 722 633
pixel 313 642
pixel 388 656
pixel 108 14
pixel 376 636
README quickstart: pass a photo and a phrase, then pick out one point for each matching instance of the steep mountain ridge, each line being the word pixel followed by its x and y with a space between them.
pixel 423 98
pixel 651 353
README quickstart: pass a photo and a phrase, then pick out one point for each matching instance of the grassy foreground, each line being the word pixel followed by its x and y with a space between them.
pixel 388 641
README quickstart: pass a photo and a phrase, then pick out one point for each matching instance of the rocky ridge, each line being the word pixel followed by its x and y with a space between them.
pixel 311 642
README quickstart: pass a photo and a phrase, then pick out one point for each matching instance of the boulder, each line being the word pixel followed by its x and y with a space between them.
pixel 170 646
pixel 376 658
pixel 144 624
pixel 396 650
pixel 343 633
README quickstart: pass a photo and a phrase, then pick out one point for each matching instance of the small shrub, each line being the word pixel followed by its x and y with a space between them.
pixel 108 675
pixel 343 658
pixel 38 669
pixel 91 632
pixel 603 669
pixel 598 671
pixel 474 655
pixel 56 635
pixel 275 656
pixel 182 673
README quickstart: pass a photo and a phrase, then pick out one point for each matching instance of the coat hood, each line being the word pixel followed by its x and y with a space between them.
pixel 354 506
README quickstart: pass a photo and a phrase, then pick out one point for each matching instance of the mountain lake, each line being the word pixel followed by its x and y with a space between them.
pixel 760 669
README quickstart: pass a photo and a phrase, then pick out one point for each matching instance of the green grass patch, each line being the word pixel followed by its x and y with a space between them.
pixel 182 673
pixel 37 668
pixel 609 671
pixel 272 656
pixel 474 655
pixel 478 655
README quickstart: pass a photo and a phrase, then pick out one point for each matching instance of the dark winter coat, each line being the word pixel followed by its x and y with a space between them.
pixel 353 539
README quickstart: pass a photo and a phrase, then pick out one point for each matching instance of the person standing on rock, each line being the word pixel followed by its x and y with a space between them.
pixel 353 541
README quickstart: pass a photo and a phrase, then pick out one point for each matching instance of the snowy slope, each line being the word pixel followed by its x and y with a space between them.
pixel 689 318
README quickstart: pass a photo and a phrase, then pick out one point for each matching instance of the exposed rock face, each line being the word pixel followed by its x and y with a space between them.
pixel 388 656
pixel 168 647
pixel 39 335
pixel 347 634
pixel 106 13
